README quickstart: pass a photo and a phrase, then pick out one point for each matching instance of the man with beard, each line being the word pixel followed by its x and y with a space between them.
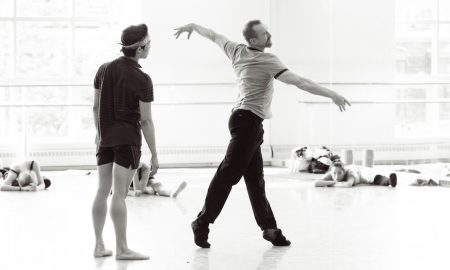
pixel 255 70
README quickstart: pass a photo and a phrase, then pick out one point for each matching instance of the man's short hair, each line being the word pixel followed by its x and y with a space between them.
pixel 248 31
pixel 131 35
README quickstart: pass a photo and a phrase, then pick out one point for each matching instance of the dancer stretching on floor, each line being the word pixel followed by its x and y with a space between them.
pixel 143 183
pixel 24 176
pixel 340 175
pixel 256 71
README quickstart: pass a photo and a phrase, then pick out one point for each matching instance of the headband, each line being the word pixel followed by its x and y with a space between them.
pixel 138 44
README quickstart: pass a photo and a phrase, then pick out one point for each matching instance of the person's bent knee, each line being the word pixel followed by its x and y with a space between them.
pixel 144 166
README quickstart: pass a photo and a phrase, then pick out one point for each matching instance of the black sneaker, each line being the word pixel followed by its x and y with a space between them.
pixel 200 234
pixel 276 237
pixel 393 179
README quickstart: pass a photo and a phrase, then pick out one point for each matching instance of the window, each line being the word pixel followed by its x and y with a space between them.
pixel 423 53
pixel 444 108
pixel 412 112
pixel 48 42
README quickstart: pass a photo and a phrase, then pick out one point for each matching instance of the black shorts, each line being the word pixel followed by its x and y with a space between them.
pixel 125 155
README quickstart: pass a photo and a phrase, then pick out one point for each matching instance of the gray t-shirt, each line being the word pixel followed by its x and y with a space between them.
pixel 255 72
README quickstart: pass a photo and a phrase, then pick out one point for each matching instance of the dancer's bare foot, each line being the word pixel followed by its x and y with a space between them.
pixel 102 252
pixel 131 255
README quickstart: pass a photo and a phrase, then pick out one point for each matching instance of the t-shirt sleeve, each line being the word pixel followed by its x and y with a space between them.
pixel 99 76
pixel 275 67
pixel 231 48
pixel 145 91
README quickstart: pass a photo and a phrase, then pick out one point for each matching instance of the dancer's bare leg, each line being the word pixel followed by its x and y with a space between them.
pixel 180 187
pixel 122 179
pixel 100 207
pixel 161 190
pixel 142 179
pixel 136 190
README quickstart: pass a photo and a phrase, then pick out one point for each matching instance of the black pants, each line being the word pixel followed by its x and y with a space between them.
pixel 243 158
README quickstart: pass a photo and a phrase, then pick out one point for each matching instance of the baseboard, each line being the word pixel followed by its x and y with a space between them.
pixel 82 157
pixel 210 156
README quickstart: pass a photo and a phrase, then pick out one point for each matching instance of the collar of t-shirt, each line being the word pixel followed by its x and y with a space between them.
pixel 254 49
pixel 130 61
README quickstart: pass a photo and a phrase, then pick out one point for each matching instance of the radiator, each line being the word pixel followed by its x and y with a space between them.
pixel 51 156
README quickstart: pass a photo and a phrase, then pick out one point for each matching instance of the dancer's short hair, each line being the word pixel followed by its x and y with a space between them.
pixel 131 35
pixel 337 163
pixel 248 31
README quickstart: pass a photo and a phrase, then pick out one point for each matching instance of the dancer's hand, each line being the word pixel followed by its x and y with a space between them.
pixel 154 165
pixel 33 187
pixel 29 188
pixel 189 28
pixel 340 101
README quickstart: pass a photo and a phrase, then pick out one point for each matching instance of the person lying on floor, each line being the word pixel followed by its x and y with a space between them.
pixel 143 183
pixel 340 175
pixel 24 176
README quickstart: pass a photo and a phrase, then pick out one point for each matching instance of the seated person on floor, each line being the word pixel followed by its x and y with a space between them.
pixel 340 175
pixel 306 159
pixel 23 176
pixel 144 183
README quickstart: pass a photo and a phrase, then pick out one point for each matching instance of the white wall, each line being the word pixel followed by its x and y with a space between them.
pixel 335 41
pixel 324 40
pixel 327 41
pixel 330 41
pixel 194 61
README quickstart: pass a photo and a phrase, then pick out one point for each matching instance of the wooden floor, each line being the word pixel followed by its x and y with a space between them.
pixel 358 228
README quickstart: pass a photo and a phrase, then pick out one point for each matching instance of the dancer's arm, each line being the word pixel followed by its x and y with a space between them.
pixel 148 129
pixel 346 184
pixel 326 181
pixel 309 86
pixel 136 184
pixel 13 188
pixel 7 184
pixel 144 176
pixel 95 110
pixel 40 180
pixel 210 34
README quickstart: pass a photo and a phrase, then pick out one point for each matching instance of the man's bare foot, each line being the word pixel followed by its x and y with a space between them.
pixel 131 255
pixel 102 252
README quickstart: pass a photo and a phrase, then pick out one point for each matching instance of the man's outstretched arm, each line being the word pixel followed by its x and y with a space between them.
pixel 203 31
pixel 313 88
